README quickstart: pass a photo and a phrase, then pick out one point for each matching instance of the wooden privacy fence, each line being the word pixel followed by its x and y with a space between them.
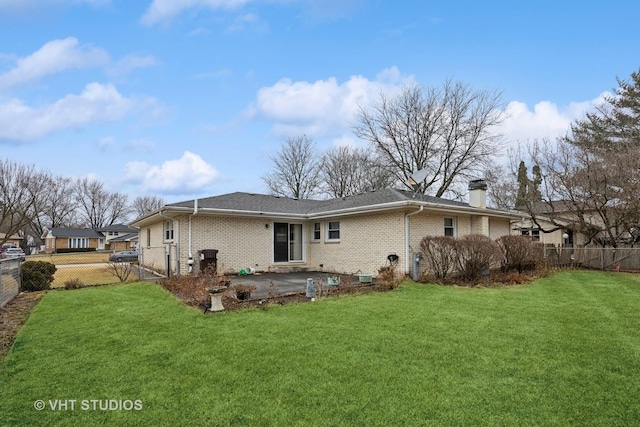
pixel 618 259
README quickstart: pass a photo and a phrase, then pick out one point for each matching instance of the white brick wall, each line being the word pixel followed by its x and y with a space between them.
pixel 365 240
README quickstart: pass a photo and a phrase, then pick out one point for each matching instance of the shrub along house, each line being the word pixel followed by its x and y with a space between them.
pixel 345 235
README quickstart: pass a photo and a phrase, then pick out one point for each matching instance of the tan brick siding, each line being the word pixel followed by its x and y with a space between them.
pixel 365 240
pixel 365 243
pixel 498 227
pixel 241 242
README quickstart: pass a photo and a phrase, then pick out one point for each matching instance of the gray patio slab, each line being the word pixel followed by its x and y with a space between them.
pixel 285 283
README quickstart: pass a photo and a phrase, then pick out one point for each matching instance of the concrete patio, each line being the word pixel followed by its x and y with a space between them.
pixel 285 283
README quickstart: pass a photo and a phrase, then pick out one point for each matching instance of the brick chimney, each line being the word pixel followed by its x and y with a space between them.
pixel 478 193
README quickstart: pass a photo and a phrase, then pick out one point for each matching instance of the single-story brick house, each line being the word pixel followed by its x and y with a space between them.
pixel 346 235
pixel 76 238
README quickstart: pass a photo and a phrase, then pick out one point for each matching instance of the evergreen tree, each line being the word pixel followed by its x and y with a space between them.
pixel 523 186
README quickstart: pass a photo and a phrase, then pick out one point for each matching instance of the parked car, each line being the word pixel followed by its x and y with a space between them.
pixel 13 252
pixel 7 246
pixel 124 256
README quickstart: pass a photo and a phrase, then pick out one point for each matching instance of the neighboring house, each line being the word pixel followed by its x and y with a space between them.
pixel 350 234
pixel 114 233
pixel 76 238
pixel 560 217
pixel 126 242
pixel 14 240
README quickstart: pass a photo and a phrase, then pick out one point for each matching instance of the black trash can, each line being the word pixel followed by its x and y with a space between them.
pixel 209 260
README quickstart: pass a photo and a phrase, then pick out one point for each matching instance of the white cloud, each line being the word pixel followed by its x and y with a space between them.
pixel 347 141
pixel 189 173
pixel 545 121
pixel 98 103
pixel 130 62
pixel 55 56
pixel 324 107
pixel 162 10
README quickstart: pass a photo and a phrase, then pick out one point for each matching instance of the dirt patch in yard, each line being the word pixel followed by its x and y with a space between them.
pixel 12 317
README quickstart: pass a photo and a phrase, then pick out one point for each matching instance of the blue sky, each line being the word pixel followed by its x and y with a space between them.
pixel 188 98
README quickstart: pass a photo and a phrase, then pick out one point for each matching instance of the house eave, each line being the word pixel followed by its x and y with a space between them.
pixel 174 211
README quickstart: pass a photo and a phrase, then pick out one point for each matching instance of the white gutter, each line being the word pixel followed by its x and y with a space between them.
pixel 450 209
pixel 406 238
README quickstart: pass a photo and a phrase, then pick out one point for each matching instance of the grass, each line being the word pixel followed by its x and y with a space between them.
pixel 88 274
pixel 562 351
pixel 72 258
pixel 89 267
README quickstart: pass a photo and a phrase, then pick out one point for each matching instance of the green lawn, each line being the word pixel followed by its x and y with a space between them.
pixel 562 351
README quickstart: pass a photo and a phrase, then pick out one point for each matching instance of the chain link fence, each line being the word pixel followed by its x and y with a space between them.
pixel 78 269
pixel 615 259
pixel 10 280
pixel 157 262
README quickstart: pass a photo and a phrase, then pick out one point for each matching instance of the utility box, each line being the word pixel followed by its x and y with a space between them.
pixel 209 260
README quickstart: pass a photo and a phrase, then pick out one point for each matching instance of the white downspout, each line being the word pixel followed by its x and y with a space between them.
pixel 406 238
pixel 195 212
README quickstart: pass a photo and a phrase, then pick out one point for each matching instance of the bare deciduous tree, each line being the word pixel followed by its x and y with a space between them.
pixel 143 205
pixel 296 169
pixel 347 171
pixel 56 207
pixel 448 131
pixel 501 191
pixel 21 186
pixel 98 207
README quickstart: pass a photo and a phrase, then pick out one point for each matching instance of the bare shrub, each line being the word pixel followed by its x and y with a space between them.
pixel 74 284
pixel 211 278
pixel 387 279
pixel 346 285
pixel 190 289
pixel 439 253
pixel 475 256
pixel 519 253
pixel 122 270
pixel 272 291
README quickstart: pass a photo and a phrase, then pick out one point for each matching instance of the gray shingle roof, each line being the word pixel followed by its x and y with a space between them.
pixel 267 203
pixel 121 228
pixel 75 232
pixel 254 203
pixel 125 238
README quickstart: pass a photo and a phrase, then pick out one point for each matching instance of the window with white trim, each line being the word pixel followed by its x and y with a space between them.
pixel 533 233
pixel 168 230
pixel 316 231
pixel 333 230
pixel 78 242
pixel 449 227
